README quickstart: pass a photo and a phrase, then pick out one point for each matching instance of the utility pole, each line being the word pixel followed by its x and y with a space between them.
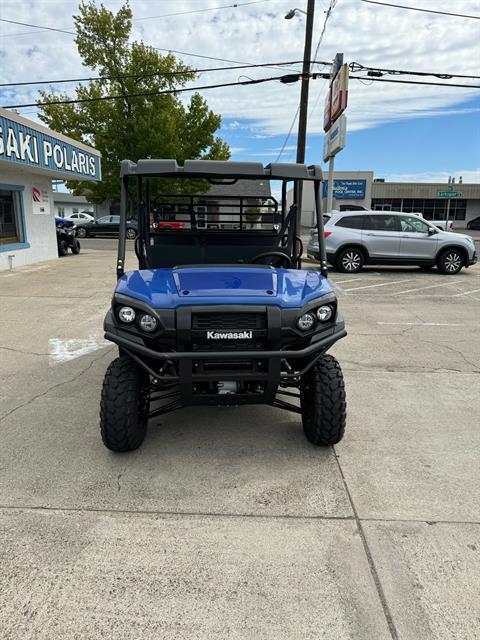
pixel 303 113
pixel 451 182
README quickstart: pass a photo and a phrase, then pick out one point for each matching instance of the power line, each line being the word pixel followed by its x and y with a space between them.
pixel 149 93
pixel 436 84
pixel 155 73
pixel 285 79
pixel 357 67
pixel 288 134
pixel 165 15
pixel 401 6
pixel 184 13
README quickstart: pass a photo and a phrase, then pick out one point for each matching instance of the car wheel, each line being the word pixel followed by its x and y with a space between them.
pixel 124 405
pixel 450 261
pixel 350 260
pixel 81 232
pixel 323 403
pixel 131 234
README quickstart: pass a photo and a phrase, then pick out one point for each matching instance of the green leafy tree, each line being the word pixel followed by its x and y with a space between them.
pixel 133 127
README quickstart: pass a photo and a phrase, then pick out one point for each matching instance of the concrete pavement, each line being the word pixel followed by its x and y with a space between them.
pixel 227 523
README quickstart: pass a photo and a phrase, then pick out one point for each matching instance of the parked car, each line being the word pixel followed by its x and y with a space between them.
pixel 83 216
pixel 66 232
pixel 355 239
pixel 106 226
pixel 474 224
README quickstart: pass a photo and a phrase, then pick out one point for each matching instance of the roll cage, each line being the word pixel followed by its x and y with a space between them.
pixel 184 228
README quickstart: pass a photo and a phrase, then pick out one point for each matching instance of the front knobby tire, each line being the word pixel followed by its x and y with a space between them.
pixel 323 403
pixel 124 406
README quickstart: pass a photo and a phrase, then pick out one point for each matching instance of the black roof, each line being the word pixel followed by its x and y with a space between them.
pixel 220 169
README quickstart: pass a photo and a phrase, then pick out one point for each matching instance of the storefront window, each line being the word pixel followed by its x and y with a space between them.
pixel 431 209
pixel 10 222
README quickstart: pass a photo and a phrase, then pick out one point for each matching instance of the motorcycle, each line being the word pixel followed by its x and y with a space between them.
pixel 66 237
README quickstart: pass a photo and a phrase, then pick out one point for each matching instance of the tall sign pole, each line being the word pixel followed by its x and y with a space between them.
pixel 303 113
pixel 334 122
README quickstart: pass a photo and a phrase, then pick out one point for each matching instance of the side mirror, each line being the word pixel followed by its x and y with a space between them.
pixel 432 231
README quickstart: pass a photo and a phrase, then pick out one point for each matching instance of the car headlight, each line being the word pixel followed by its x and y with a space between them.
pixel 126 314
pixel 148 323
pixel 306 322
pixel 324 313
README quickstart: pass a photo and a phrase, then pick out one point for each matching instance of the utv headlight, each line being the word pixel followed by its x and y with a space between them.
pixel 324 313
pixel 148 323
pixel 306 322
pixel 126 314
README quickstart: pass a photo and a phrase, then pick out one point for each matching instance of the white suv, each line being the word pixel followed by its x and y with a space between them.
pixel 354 239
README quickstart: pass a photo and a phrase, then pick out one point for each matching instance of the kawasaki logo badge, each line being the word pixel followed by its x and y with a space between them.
pixel 229 335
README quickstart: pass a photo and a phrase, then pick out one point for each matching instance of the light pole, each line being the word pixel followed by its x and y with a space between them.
pixel 303 112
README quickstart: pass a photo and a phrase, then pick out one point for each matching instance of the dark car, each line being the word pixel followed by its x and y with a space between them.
pixel 474 224
pixel 106 226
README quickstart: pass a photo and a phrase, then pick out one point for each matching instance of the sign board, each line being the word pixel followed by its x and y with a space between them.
pixel 347 189
pixel 327 111
pixel 24 143
pixel 335 139
pixel 449 194
pixel 339 93
pixel 40 199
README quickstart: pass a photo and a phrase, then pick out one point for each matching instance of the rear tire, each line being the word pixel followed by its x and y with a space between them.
pixel 323 403
pixel 350 260
pixel 75 247
pixel 131 234
pixel 124 406
pixel 81 232
pixel 450 261
pixel 62 248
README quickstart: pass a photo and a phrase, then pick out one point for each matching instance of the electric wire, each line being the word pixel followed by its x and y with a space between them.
pixel 401 6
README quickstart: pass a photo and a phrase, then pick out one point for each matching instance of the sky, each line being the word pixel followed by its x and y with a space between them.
pixel 401 132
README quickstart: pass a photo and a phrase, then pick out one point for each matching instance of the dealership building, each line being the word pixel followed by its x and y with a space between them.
pixel 428 198
pixel 31 156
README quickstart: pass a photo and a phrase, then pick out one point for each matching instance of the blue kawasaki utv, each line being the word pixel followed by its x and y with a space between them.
pixel 219 311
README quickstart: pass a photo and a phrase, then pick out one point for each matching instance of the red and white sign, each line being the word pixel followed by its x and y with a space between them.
pixel 40 199
pixel 327 112
pixel 339 91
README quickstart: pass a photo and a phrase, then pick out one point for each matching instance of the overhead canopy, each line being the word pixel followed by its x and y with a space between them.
pixel 220 169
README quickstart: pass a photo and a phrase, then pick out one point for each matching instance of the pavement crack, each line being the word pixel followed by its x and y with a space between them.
pixel 55 386
pixel 369 556
pixel 28 353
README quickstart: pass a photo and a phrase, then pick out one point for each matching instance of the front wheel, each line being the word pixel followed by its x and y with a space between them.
pixel 323 403
pixel 124 406
pixel 450 261
pixel 62 248
pixel 75 247
pixel 81 232
pixel 350 260
pixel 131 234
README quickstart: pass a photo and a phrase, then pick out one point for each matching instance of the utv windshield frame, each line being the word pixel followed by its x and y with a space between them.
pixel 205 244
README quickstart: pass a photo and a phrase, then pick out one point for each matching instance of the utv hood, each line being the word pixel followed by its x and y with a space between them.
pixel 187 286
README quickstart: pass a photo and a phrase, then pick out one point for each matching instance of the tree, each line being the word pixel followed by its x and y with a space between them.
pixel 133 127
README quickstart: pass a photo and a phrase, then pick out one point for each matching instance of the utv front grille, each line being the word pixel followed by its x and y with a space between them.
pixel 229 321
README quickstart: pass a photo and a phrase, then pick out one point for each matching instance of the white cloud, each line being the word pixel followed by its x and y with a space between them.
pixel 369 34
pixel 467 175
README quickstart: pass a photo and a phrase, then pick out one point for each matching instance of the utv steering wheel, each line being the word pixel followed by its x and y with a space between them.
pixel 281 257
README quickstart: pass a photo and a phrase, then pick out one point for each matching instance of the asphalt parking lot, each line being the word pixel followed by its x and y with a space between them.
pixel 227 523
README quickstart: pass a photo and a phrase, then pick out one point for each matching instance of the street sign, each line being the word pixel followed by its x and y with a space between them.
pixel 449 194
pixel 335 139
pixel 340 93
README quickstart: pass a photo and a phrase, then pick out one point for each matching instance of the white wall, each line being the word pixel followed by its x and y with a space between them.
pixel 40 228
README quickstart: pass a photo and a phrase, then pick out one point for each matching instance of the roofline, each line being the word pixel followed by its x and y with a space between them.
pixel 220 169
pixel 15 117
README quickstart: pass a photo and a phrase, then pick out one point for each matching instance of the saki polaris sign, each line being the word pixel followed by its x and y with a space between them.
pixel 24 145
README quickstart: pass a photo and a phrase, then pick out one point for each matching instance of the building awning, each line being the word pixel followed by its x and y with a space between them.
pixel 27 145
